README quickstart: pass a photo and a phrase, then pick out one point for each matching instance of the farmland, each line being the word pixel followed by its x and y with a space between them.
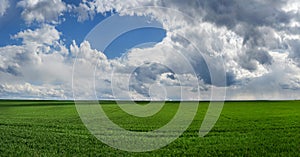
pixel 54 128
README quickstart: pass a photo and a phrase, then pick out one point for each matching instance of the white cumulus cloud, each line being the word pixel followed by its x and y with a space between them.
pixel 4 5
pixel 42 10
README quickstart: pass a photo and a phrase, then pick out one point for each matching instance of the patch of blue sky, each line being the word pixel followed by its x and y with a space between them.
pixel 10 24
pixel 117 34
pixel 141 38
pixel 73 30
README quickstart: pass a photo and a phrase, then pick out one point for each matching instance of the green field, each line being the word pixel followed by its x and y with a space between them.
pixel 53 128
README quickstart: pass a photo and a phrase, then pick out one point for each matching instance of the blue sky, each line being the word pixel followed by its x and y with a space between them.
pixel 58 49
pixel 132 38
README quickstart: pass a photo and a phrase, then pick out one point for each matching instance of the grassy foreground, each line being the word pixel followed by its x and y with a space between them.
pixel 53 128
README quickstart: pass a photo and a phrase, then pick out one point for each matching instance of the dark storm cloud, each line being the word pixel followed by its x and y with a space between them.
pixel 247 60
pixel 256 22
pixel 295 48
pixel 245 18
pixel 254 13
pixel 288 86
pixel 230 79
pixel 146 75
pixel 229 13
pixel 13 70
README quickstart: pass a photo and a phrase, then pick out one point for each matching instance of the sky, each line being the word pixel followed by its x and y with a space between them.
pixel 150 49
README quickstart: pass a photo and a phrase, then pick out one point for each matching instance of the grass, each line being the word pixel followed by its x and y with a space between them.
pixel 53 128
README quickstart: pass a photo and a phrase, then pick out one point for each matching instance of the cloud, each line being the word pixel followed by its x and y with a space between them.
pixel 47 34
pixel 145 75
pixel 246 36
pixel 42 10
pixel 38 63
pixel 4 5
pixel 85 11
pixel 295 50
pixel 31 91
